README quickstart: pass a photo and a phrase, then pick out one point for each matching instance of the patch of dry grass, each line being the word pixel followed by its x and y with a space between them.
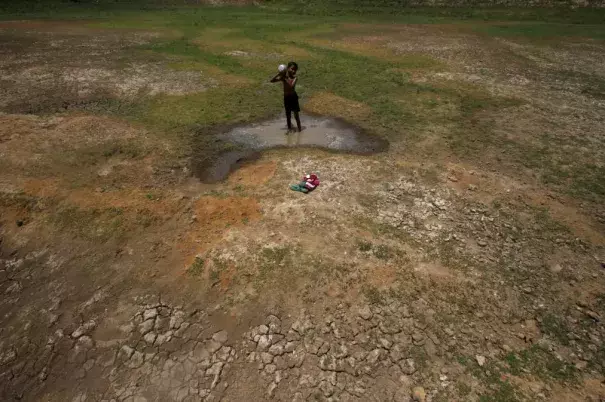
pixel 327 103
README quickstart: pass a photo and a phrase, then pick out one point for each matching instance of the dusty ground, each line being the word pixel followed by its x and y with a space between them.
pixel 447 263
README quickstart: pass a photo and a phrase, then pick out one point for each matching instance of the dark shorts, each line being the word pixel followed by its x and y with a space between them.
pixel 291 102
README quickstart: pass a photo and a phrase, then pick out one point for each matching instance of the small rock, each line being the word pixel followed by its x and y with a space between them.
pixel 176 320
pixel 396 354
pixel 213 346
pixel 146 326
pixel 149 314
pixel 340 351
pixel 162 339
pixel 327 388
pixel 150 337
pixel 43 374
pixel 264 342
pixel 373 356
pixel 263 329
pixel 290 346
pixel 472 187
pixel 482 243
pixel 278 377
pixel 224 353
pixel 452 178
pixel 136 360
pixel 216 369
pixel 84 329
pixel 418 338
pixel 274 324
pixel 266 357
pixel 270 368
pixel 323 349
pixel 52 319
pixel 271 389
pixel 408 366
pixel 365 312
pixel 480 360
pixel 358 389
pixel 85 342
pixel 385 343
pixel 221 337
pixel 419 394
pixel 126 351
pixel 592 315
pixel 251 357
pixel 581 365
pixel 276 350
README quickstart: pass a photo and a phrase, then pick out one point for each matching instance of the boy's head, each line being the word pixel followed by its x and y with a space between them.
pixel 292 68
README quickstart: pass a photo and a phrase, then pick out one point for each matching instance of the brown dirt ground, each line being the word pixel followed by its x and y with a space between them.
pixel 101 221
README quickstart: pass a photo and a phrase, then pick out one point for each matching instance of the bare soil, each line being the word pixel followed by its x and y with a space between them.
pixel 448 262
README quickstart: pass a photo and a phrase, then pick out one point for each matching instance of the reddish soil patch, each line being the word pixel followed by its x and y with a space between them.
pixel 254 174
pixel 159 204
pixel 213 217
pixel 382 276
pixel 591 389
pixel 41 187
pixel 434 270
pixel 226 277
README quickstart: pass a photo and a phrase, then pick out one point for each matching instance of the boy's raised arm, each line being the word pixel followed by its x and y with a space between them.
pixel 277 78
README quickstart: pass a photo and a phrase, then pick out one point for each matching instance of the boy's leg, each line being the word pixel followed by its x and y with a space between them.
pixel 289 119
pixel 297 118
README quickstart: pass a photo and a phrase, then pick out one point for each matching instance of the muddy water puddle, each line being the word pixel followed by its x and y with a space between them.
pixel 247 143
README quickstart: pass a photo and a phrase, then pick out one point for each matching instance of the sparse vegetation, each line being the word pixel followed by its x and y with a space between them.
pixel 473 246
pixel 197 267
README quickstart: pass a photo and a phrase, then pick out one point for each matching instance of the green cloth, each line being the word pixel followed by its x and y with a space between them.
pixel 299 187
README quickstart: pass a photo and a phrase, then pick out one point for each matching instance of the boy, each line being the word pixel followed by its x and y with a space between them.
pixel 288 77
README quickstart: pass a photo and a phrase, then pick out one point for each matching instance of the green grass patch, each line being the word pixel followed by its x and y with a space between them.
pixel 544 364
pixel 503 391
pixel 534 361
pixel 373 295
pixel 400 109
pixel 275 259
pixel 364 246
pixel 383 252
pixel 183 47
pixel 215 106
pixel 463 388
pixel 90 224
pixel 197 267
